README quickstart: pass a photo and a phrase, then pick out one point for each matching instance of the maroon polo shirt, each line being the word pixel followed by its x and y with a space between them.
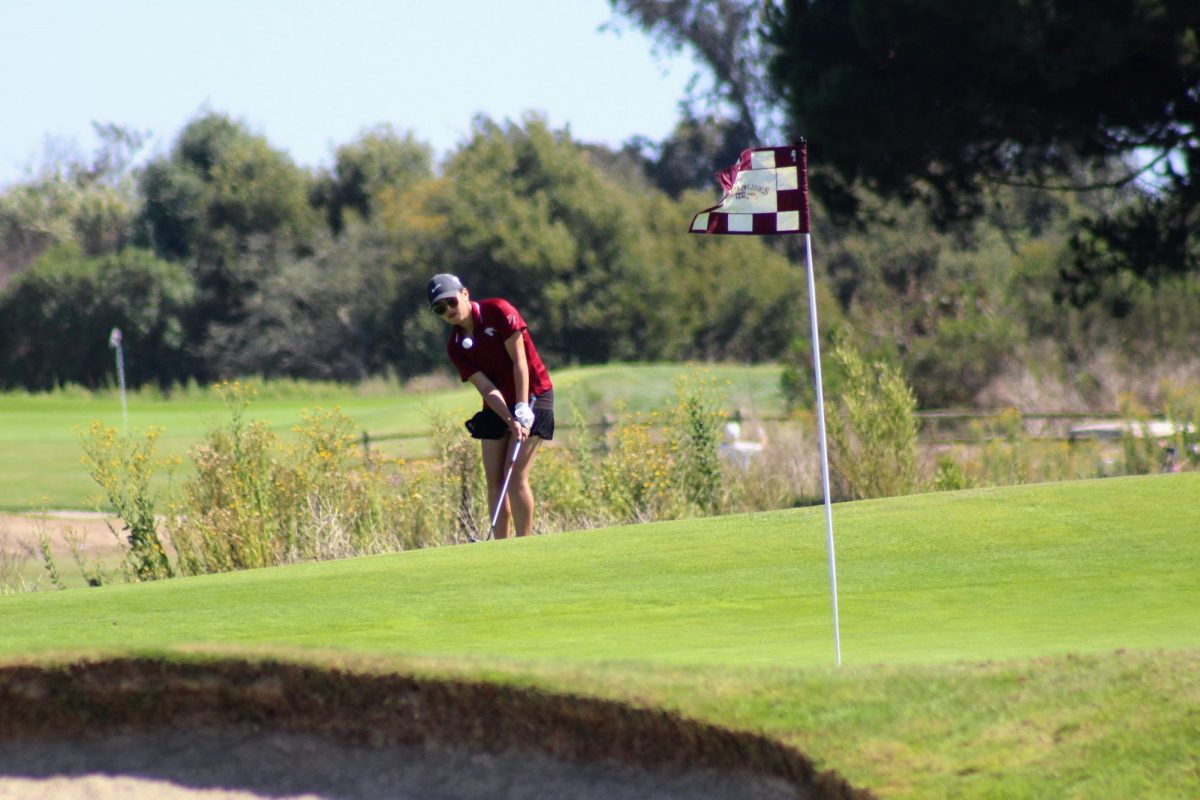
pixel 495 321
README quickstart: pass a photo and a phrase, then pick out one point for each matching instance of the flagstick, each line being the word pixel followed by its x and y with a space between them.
pixel 816 350
pixel 735 215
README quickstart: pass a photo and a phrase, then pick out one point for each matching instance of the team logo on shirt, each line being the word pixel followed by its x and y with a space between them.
pixel 490 331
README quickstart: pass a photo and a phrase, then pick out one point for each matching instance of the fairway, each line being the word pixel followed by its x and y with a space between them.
pixel 40 450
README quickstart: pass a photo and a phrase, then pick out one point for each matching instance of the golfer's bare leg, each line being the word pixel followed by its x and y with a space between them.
pixel 519 492
pixel 495 461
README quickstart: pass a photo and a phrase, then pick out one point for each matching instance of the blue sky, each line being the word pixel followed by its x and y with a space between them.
pixel 311 74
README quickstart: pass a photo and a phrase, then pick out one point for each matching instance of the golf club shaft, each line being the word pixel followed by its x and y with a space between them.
pixel 504 488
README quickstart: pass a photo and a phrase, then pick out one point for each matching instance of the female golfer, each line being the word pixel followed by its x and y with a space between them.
pixel 490 345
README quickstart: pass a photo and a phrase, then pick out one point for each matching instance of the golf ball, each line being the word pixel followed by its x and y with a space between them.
pixel 467 342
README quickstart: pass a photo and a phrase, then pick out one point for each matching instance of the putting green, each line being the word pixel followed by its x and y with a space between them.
pixel 985 574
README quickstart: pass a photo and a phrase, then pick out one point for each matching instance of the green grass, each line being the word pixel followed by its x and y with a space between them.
pixel 40 452
pixel 1027 642
pixel 750 390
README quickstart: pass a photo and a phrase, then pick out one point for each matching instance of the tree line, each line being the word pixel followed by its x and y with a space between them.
pixel 224 258
pixel 1004 206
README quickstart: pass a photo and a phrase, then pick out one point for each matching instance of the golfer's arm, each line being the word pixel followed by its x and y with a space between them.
pixel 491 396
pixel 515 345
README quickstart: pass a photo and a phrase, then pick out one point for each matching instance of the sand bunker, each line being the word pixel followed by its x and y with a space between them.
pixel 238 729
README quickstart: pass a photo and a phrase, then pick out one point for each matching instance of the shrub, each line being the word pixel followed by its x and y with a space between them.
pixel 659 465
pixel 873 428
pixel 1182 406
pixel 568 480
pixel 13 558
pixel 783 475
pixel 257 500
pixel 636 472
pixel 950 476
pixel 123 467
pixel 567 498
pixel 694 425
pixel 456 489
pixel 1141 454
pixel 1006 453
pixel 999 451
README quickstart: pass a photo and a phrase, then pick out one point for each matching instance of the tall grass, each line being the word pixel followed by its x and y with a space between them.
pixel 13 557
pixel 256 498
pixel 647 466
pixel 999 451
pixel 123 467
pixel 872 428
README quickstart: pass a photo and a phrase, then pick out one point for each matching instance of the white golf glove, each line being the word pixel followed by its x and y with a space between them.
pixel 524 415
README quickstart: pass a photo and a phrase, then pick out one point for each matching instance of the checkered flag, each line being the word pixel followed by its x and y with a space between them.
pixel 766 192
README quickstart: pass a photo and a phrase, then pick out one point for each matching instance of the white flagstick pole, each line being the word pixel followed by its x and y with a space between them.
pixel 816 351
pixel 114 341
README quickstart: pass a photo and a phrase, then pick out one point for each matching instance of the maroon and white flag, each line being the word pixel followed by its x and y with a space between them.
pixel 766 192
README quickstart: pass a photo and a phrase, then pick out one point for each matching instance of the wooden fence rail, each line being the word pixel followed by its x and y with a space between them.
pixel 940 426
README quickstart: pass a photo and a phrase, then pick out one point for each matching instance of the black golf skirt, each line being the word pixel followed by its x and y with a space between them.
pixel 488 425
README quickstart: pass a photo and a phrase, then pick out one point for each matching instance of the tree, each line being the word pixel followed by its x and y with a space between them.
pixel 732 111
pixel 55 320
pixel 733 298
pixel 323 317
pixel 606 270
pixel 690 157
pixel 72 197
pixel 724 36
pixel 380 159
pixel 532 219
pixel 220 194
pixel 33 218
pixel 220 187
pixel 940 99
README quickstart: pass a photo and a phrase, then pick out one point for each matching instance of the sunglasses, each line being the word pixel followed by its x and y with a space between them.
pixel 440 306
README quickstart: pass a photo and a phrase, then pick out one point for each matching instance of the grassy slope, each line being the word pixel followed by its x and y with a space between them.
pixel 728 619
pixel 39 448
pixel 985 574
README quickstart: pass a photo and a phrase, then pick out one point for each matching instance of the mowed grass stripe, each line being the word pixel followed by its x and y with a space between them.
pixel 988 574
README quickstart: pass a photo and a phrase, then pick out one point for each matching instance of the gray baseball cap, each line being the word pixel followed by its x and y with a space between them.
pixel 443 285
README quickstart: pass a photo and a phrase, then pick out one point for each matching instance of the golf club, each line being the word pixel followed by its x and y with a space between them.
pixel 504 490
